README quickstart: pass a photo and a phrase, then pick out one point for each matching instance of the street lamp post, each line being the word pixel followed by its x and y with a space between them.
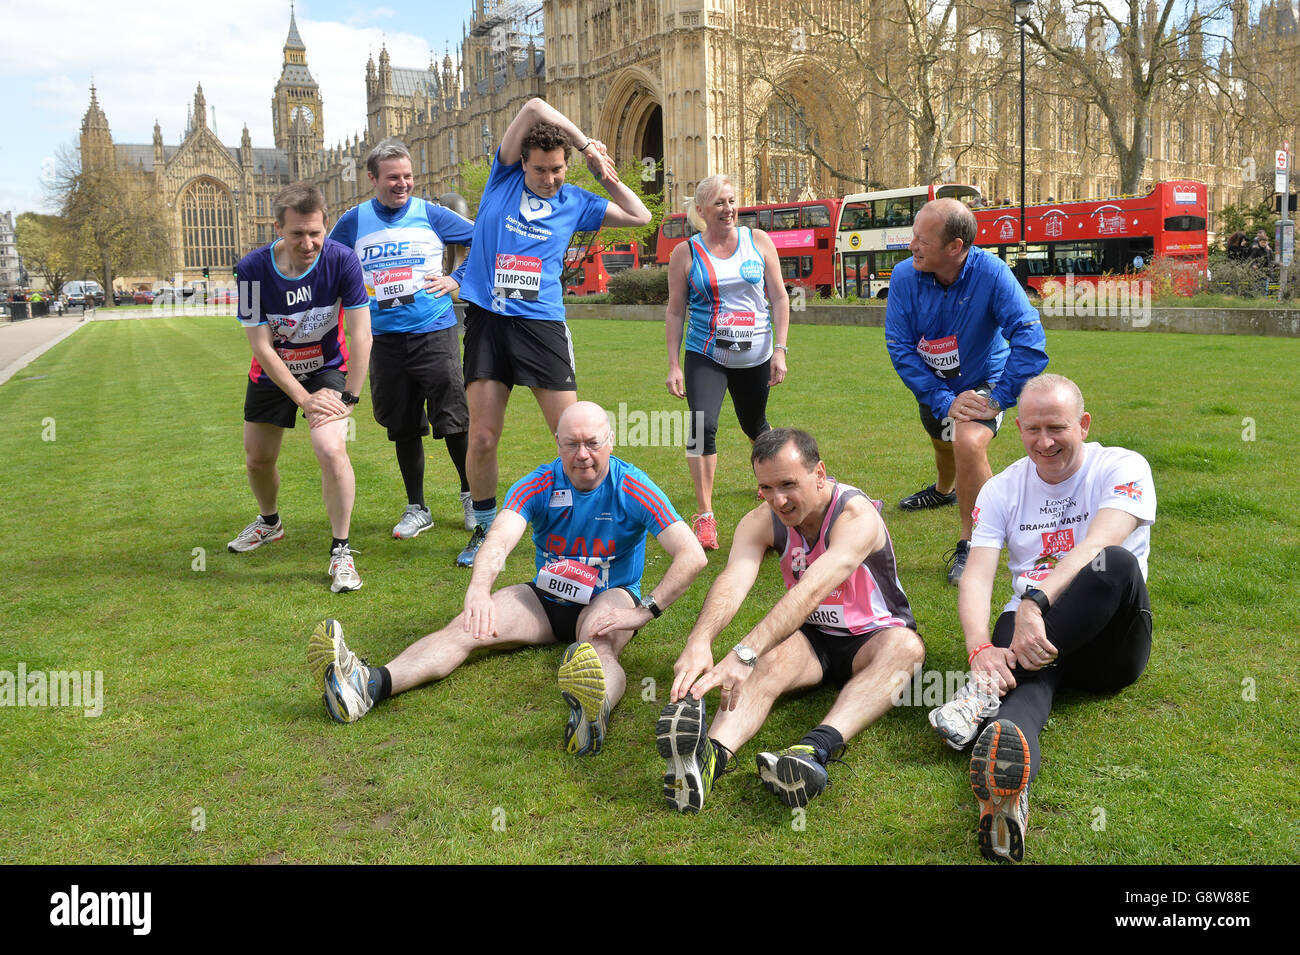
pixel 1021 10
pixel 866 164
pixel 487 140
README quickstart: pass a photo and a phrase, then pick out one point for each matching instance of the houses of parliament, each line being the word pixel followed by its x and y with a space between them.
pixel 692 87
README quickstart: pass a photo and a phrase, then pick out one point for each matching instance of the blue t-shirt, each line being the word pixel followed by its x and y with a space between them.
pixel 944 341
pixel 603 528
pixel 517 256
pixel 397 249
pixel 303 312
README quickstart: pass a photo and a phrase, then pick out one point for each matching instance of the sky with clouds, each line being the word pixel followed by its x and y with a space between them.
pixel 146 59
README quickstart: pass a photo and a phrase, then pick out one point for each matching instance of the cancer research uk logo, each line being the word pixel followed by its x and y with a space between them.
pixel 75 908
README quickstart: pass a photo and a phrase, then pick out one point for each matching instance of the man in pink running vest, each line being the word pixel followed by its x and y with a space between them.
pixel 844 620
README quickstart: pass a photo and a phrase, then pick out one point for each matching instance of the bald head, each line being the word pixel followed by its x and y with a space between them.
pixel 958 222
pixel 582 415
pixel 1053 385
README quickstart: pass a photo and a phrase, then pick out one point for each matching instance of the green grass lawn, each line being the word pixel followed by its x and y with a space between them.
pixel 213 744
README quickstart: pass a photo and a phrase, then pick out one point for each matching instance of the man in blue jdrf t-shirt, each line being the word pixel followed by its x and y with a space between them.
pixel 514 323
pixel 415 378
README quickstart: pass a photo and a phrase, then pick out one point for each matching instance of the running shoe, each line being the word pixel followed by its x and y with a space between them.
pixel 927 498
pixel 682 735
pixel 999 776
pixel 958 721
pixel 956 561
pixel 343 570
pixel 582 684
pixel 466 557
pixel 706 530
pixel 348 694
pixel 255 535
pixel 467 504
pixel 416 519
pixel 794 775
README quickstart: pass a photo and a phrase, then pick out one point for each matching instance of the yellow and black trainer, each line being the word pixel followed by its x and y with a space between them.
pixel 682 734
pixel 582 684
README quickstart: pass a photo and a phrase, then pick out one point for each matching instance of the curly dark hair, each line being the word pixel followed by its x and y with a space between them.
pixel 545 136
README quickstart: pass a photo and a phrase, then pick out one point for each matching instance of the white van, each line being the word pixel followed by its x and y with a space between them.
pixel 76 291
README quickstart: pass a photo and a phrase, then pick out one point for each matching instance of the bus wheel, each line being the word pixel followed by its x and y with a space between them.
pixel 883 294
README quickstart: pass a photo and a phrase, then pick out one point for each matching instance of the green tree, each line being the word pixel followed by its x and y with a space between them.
pixel 49 247
pixel 117 216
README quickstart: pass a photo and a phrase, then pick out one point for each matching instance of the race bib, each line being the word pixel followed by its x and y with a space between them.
pixel 518 277
pixel 941 355
pixel 831 611
pixel 303 360
pixel 394 287
pixel 569 580
pixel 735 330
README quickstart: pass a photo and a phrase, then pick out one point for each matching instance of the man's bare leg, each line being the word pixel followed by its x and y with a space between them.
pixel 791 666
pixel 971 453
pixel 945 465
pixel 881 665
pixel 261 451
pixel 487 414
pixel 554 404
pixel 338 484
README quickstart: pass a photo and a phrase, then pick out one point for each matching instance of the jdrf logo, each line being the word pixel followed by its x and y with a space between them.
pixel 103 908
pixel 384 249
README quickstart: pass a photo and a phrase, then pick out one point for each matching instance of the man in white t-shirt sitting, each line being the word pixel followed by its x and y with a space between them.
pixel 1075 519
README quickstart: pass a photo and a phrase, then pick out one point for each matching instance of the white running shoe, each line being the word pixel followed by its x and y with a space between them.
pixel 416 519
pixel 343 570
pixel 958 721
pixel 467 504
pixel 348 694
pixel 255 535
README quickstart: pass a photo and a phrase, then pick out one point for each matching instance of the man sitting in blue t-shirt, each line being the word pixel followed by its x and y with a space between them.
pixel 514 323
pixel 590 513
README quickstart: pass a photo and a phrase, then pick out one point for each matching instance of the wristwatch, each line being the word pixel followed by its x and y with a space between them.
pixel 747 656
pixel 648 603
pixel 1038 597
pixel 348 398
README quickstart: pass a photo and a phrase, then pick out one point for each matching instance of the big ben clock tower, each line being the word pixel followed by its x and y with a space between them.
pixel 297 95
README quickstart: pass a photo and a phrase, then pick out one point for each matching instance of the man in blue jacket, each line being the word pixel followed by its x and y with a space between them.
pixel 964 338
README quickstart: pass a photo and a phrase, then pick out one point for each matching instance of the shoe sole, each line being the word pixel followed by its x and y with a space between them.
pixel 345 589
pixel 999 772
pixel 582 684
pixel 265 540
pixel 677 735
pixel 791 780
pixel 323 648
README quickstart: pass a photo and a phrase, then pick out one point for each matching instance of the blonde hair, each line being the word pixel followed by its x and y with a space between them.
pixel 705 192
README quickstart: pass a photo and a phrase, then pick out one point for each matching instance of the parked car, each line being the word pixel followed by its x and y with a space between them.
pixel 170 296
pixel 143 297
pixel 223 296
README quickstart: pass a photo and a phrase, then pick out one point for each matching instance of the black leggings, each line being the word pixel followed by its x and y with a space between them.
pixel 706 381
pixel 1101 628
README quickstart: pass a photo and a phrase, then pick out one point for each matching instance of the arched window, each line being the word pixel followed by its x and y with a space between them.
pixel 208 225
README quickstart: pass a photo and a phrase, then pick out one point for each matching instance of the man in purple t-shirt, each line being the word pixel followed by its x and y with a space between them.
pixel 290 294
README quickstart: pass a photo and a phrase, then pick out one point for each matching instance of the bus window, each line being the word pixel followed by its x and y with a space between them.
pixel 1184 224
pixel 816 217
pixel 747 219
pixel 765 219
pixel 789 267
pixel 806 263
pixel 885 261
pixel 674 228
pixel 857 215
pixel 783 219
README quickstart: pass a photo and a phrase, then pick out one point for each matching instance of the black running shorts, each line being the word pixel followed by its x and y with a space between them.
pixel 518 351
pixel 265 403
pixel 415 382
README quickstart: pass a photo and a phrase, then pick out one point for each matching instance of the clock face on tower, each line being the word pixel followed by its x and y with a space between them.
pixel 303 111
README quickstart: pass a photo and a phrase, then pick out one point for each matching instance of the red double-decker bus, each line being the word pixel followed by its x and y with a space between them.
pixel 587 272
pixel 1091 238
pixel 803 233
